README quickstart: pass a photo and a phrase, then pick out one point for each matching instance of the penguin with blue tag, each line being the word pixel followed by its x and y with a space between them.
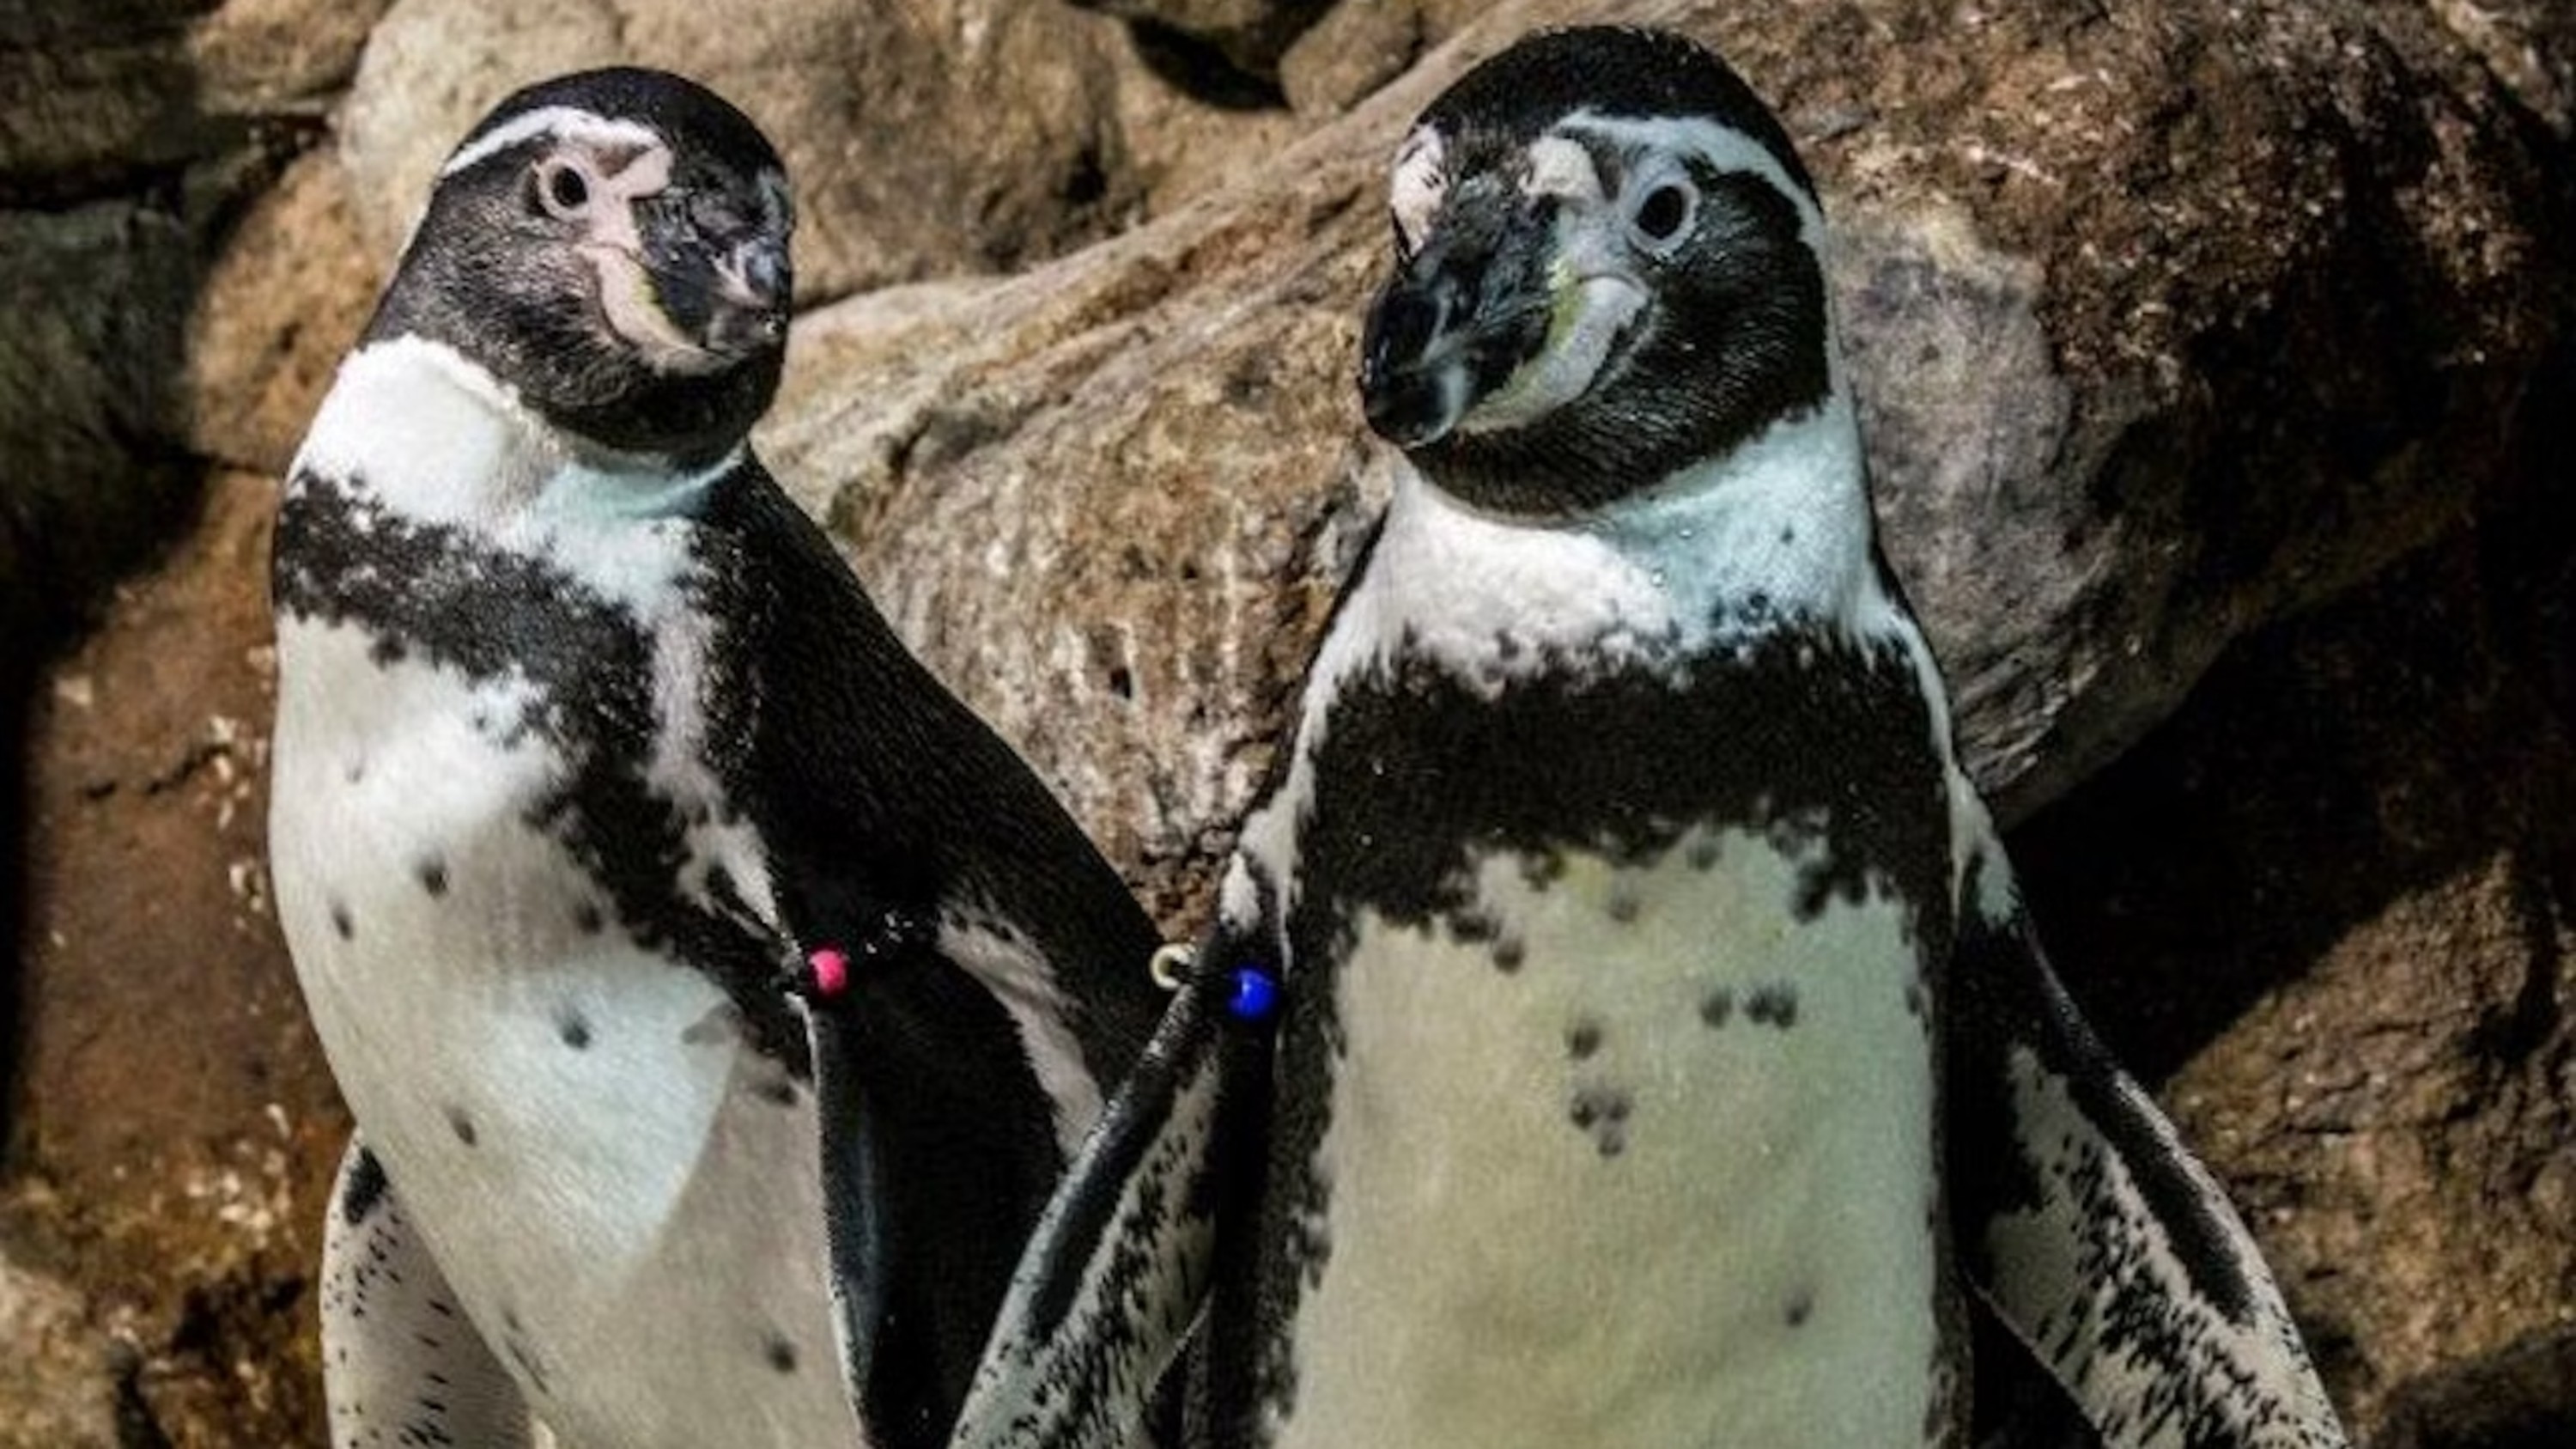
pixel 1647 1047
pixel 717 998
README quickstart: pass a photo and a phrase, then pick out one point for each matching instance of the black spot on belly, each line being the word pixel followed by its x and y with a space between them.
pixel 586 918
pixel 1703 853
pixel 461 1124
pixel 781 1090
pixel 1914 1000
pixel 1472 926
pixel 386 652
pixel 356 771
pixel 341 922
pixel 1583 1039
pixel 1509 953
pixel 433 876
pixel 780 1353
pixel 574 1028
pixel 1622 904
pixel 1601 1112
pixel 1801 1304
pixel 1774 1005
pixel 1716 1006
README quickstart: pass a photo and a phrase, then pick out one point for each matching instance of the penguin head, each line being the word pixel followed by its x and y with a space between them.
pixel 613 245
pixel 1607 268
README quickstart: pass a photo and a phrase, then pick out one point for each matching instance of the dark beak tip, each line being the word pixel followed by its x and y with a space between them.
pixel 1399 408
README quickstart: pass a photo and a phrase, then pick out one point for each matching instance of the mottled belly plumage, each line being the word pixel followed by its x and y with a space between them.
pixel 502 1036
pixel 1622 1154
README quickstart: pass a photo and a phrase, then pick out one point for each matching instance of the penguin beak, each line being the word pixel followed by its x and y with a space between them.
pixel 1459 316
pixel 754 284
pixel 727 295
pixel 1508 310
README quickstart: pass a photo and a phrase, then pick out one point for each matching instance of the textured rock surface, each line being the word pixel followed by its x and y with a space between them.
pixel 2106 285
pixel 2226 340
pixel 173 1158
pixel 926 140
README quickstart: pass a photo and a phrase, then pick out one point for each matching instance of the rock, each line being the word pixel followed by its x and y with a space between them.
pixel 1353 50
pixel 1249 35
pixel 278 56
pixel 97 296
pixel 924 140
pixel 2104 280
pixel 174 1128
pixel 95 97
pixel 284 300
pixel 2522 1397
pixel 2332 904
pixel 52 1380
pixel 134 132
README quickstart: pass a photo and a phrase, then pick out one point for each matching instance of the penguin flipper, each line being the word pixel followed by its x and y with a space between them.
pixel 400 1363
pixel 854 1226
pixel 2094 1234
pixel 1118 1271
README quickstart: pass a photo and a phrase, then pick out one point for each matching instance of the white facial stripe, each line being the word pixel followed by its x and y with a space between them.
pixel 626 297
pixel 1723 147
pixel 1420 182
pixel 1559 167
pixel 564 123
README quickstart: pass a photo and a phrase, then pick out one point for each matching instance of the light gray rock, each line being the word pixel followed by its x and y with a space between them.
pixel 52 1379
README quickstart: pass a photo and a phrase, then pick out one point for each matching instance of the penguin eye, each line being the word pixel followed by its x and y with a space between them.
pixel 1664 212
pixel 561 188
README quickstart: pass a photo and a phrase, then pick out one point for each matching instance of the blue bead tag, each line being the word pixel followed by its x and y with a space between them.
pixel 1256 995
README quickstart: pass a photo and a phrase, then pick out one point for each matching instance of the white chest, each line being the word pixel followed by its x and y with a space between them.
pixel 1643 1163
pixel 623 1194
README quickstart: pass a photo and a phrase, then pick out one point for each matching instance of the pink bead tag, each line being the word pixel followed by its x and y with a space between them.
pixel 831 971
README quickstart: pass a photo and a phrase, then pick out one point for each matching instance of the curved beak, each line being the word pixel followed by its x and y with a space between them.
pixel 727 296
pixel 1458 318
pixel 755 284
pixel 1511 309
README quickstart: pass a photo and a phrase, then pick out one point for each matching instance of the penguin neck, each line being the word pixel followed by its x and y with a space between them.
pixel 431 434
pixel 1774 534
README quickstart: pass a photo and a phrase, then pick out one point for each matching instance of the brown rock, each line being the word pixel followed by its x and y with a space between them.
pixel 2099 280
pixel 173 1128
pixel 278 56
pixel 2335 899
pixel 284 301
pixel 1250 35
pixel 924 141
pixel 52 1380
pixel 1352 51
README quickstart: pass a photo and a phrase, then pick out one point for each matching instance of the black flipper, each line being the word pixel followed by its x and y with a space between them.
pixel 1118 1275
pixel 2096 1237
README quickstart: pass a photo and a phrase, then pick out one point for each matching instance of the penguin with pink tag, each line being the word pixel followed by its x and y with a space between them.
pixel 717 998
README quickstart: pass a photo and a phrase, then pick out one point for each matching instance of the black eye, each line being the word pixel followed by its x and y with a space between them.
pixel 1661 215
pixel 561 188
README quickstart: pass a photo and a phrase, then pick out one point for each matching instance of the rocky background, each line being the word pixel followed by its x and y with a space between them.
pixel 2220 364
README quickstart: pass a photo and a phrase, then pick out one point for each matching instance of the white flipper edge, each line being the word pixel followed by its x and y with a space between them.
pixel 400 1362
